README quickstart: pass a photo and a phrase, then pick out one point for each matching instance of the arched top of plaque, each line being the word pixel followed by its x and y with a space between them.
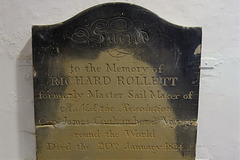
pixel 117 24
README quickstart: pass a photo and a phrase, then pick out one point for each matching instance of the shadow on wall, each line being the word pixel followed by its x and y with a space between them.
pixel 26 127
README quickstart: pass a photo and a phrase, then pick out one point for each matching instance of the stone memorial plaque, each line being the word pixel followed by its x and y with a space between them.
pixel 116 82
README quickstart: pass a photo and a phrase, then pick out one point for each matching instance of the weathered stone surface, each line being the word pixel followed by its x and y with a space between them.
pixel 116 82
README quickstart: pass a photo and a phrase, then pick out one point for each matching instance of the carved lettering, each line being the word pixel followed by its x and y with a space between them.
pixel 87 134
pixel 138 134
pixel 79 80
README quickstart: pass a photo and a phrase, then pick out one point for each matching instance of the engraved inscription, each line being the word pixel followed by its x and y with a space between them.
pixel 116 82
pixel 112 31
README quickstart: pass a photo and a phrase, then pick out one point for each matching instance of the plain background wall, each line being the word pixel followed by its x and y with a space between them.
pixel 219 122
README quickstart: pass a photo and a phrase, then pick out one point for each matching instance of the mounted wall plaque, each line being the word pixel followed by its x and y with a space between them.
pixel 116 82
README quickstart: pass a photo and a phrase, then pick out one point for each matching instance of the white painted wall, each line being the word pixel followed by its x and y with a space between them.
pixel 219 122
